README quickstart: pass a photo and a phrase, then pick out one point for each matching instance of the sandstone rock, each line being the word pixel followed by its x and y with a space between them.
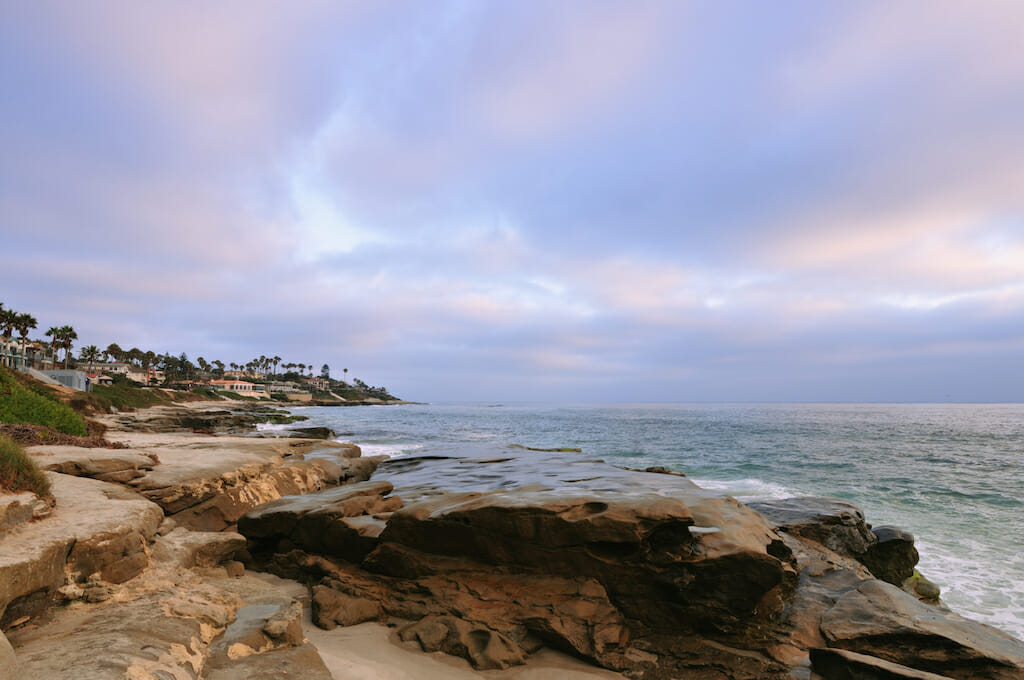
pixel 234 568
pixel 150 637
pixel 836 524
pixel 259 626
pixel 96 528
pixel 336 522
pixel 109 465
pixel 893 557
pixel 211 491
pixel 288 662
pixel 184 548
pixel 839 664
pixel 16 508
pixel 880 619
pixel 8 661
pixel 313 432
pixel 485 648
pixel 921 588
pixel 332 608
pixel 637 545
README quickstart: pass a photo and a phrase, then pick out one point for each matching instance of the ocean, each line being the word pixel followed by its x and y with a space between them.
pixel 951 474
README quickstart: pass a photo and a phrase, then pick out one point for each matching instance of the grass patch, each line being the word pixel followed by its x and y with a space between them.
pixel 125 397
pixel 18 472
pixel 22 405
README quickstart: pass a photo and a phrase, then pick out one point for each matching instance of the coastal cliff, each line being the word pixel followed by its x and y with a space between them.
pixel 155 562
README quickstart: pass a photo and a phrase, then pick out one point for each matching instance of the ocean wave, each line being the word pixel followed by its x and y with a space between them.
pixel 745 489
pixel 391 450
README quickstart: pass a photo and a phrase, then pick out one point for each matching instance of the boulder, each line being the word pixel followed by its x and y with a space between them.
pixel 881 620
pixel 332 608
pixel 312 432
pixel 893 556
pixel 838 525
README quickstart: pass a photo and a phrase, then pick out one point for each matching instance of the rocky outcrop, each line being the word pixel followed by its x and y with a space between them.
pixel 888 552
pixel 96 528
pixel 838 525
pixel 206 418
pixel 492 557
pixel 879 619
pixel 207 482
pixel 107 465
pixel 602 566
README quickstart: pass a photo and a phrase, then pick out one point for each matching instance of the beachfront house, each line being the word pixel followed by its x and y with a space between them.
pixel 246 389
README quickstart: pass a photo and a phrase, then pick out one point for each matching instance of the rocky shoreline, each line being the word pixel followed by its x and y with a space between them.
pixel 195 555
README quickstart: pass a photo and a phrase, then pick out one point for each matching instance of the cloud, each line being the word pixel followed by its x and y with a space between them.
pixel 647 202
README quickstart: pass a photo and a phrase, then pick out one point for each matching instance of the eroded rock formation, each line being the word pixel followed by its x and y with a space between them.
pixel 491 557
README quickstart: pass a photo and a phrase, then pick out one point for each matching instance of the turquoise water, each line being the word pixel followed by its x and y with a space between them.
pixel 952 474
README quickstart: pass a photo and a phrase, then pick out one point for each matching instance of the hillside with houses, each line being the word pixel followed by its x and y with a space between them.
pixel 52 359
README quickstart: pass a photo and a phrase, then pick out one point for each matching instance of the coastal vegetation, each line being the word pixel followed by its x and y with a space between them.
pixel 18 472
pixel 135 367
pixel 21 405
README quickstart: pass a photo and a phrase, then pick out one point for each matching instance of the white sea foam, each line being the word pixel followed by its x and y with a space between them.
pixel 745 489
pixel 395 450
pixel 272 427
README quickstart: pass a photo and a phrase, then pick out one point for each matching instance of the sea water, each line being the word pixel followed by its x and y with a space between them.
pixel 951 474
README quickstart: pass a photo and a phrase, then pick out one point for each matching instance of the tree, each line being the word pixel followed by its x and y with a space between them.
pixel 67 337
pixel 220 366
pixel 115 351
pixel 8 318
pixel 89 354
pixel 24 322
pixel 276 360
pixel 325 372
pixel 53 332
pixel 345 371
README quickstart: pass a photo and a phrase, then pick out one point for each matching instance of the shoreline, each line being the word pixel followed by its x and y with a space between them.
pixel 203 484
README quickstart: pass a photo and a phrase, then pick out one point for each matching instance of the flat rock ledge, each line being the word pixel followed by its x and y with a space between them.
pixel 492 557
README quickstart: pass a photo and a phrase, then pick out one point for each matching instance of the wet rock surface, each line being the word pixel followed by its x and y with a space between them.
pixel 879 619
pixel 491 556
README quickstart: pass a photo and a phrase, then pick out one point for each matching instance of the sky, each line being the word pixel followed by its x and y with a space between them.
pixel 544 201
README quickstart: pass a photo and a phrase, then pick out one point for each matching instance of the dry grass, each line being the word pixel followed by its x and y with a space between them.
pixel 18 472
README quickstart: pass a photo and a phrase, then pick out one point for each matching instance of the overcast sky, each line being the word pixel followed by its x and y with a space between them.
pixel 529 200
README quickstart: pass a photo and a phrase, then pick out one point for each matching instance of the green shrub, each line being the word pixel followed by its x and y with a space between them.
pixel 18 472
pixel 20 405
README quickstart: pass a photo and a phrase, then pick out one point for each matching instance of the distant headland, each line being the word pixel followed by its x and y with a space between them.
pixel 109 371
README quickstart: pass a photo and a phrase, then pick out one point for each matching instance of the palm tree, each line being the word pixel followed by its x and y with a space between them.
pixel 345 371
pixel 24 322
pixel 89 354
pixel 8 317
pixel 53 332
pixel 276 361
pixel 67 337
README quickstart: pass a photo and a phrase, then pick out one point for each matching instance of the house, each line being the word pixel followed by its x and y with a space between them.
pixel 319 384
pixel 100 379
pixel 76 380
pixel 246 389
